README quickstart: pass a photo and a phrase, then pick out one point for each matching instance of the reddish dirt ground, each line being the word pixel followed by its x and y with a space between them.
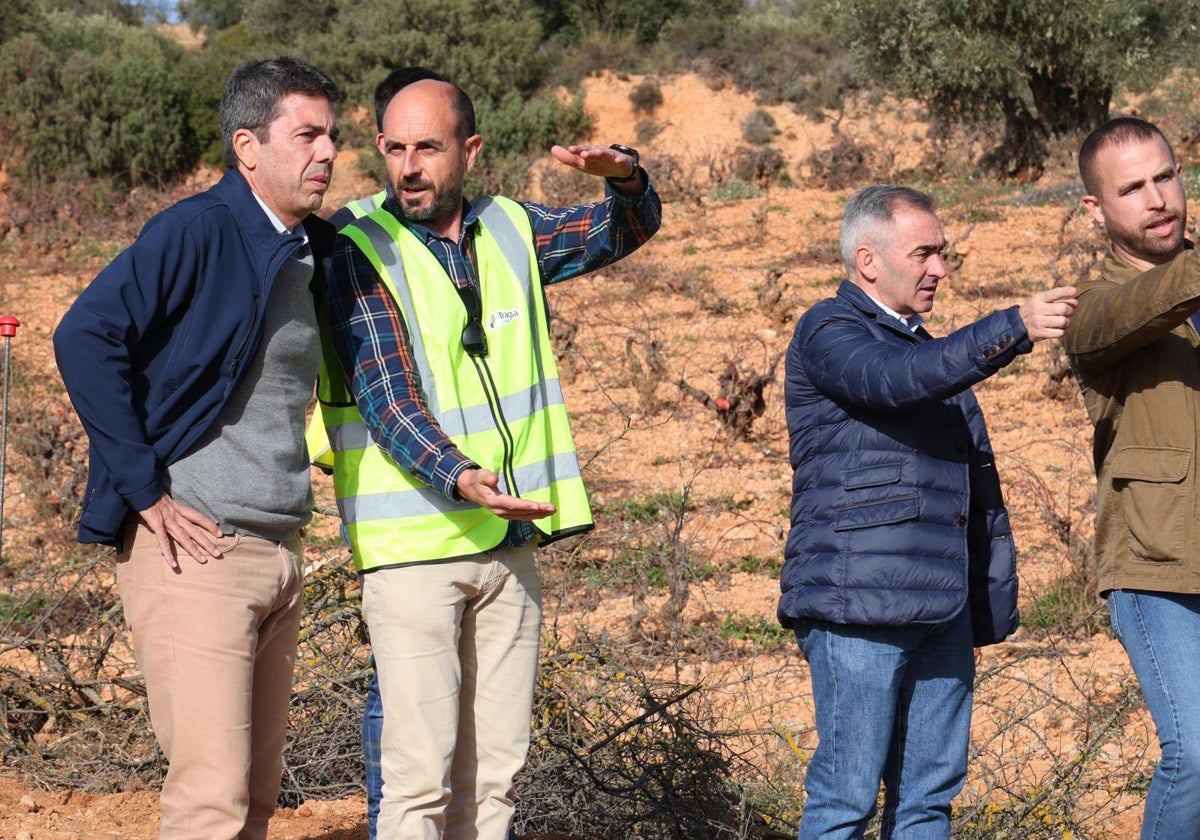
pixel 695 291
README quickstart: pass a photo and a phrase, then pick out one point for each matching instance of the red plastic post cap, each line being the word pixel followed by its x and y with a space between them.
pixel 8 326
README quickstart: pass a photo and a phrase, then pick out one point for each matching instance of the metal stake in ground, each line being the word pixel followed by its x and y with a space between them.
pixel 8 328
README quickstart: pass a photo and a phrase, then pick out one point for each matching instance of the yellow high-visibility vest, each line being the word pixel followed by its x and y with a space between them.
pixel 504 411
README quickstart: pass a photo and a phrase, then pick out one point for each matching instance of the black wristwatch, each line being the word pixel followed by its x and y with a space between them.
pixel 633 153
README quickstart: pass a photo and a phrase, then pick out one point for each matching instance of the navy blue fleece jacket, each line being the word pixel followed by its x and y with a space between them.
pixel 154 347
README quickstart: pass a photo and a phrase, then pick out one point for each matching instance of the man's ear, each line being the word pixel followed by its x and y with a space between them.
pixel 245 146
pixel 472 146
pixel 381 144
pixel 865 262
pixel 1093 206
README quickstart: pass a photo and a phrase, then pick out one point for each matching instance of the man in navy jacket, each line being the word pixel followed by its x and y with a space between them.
pixel 191 360
pixel 900 557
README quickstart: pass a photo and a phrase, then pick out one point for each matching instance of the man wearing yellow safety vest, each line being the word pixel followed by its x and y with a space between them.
pixel 453 457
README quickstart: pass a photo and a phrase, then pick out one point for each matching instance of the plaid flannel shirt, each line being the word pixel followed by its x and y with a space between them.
pixel 371 340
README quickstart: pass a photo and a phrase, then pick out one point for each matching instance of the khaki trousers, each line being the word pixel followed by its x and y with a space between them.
pixel 216 643
pixel 456 650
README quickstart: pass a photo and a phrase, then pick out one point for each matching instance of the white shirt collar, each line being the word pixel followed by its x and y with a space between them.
pixel 911 323
pixel 278 225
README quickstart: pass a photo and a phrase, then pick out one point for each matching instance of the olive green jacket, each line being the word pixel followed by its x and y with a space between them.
pixel 1137 359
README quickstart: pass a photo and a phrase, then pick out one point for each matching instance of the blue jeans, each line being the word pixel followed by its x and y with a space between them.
pixel 372 730
pixel 1161 634
pixel 893 704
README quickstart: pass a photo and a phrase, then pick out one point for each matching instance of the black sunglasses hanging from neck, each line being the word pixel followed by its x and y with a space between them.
pixel 474 339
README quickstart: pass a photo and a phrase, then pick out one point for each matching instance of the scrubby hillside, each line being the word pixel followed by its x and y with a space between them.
pixel 672 371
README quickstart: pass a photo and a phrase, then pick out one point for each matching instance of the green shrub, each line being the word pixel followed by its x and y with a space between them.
pixel 287 22
pixel 93 98
pixel 18 17
pixel 759 128
pixel 203 76
pixel 761 165
pixel 516 129
pixel 656 507
pixel 489 47
pixel 784 52
pixel 846 163
pixel 764 631
pixel 210 15
pixel 1045 68
pixel 16 610
pixel 1068 605
pixel 595 53
pixel 646 96
pixel 644 21
pixel 130 12
pixel 754 564
pixel 734 188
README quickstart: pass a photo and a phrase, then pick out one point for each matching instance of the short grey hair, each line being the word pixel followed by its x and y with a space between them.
pixel 254 91
pixel 872 207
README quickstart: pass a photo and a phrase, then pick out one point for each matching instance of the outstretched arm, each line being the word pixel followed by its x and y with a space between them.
pixel 605 162
pixel 1115 320
pixel 576 240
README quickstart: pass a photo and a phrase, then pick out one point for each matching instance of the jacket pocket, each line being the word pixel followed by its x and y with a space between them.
pixel 872 497
pixel 877 475
pixel 868 514
pixel 1154 493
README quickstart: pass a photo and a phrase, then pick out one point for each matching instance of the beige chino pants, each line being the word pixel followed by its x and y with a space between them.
pixel 216 643
pixel 456 650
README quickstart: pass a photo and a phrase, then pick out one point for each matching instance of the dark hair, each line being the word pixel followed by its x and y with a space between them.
pixel 1119 131
pixel 254 90
pixel 870 208
pixel 466 113
pixel 397 80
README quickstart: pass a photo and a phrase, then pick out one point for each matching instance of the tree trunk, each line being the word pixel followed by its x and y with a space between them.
pixel 1022 154
pixel 1063 107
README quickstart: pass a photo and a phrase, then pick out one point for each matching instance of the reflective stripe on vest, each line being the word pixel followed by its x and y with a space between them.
pixel 356 209
pixel 423 501
pixel 319 453
pixel 505 411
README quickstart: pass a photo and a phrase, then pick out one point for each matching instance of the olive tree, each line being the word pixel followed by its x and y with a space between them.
pixel 1045 67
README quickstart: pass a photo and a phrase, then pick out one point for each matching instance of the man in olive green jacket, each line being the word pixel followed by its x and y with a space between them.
pixel 1134 346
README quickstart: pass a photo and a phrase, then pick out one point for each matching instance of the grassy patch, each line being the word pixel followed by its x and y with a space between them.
pixel 755 565
pixel 1065 605
pixel 762 630
pixel 734 189
pixel 650 509
pixel 14 609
